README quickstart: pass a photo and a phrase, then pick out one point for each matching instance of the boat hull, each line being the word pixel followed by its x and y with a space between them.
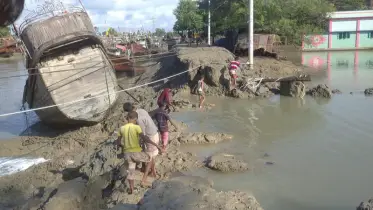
pixel 84 82
pixel 71 78
pixel 128 66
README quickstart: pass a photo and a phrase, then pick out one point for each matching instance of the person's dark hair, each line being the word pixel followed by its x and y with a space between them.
pixel 162 105
pixel 132 115
pixel 128 107
pixel 10 10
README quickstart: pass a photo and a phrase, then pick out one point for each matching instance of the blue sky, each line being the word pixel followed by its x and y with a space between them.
pixel 128 15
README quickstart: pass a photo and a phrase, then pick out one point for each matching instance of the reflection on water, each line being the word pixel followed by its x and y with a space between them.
pixel 348 70
pixel 320 149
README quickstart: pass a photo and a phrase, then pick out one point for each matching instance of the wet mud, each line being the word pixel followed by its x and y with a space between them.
pixel 83 167
pixel 226 163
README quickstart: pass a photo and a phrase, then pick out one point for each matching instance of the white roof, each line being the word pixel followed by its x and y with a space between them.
pixel 352 14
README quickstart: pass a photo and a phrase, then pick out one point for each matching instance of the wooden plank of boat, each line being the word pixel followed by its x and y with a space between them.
pixel 90 76
pixel 73 68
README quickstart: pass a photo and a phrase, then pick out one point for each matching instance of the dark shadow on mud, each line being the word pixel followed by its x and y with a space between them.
pixel 169 66
pixel 11 198
pixel 44 130
pixel 53 193
pixel 70 173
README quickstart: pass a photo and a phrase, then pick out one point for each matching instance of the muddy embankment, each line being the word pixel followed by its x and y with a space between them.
pixel 83 168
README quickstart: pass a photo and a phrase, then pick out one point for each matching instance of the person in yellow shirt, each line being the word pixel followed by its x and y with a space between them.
pixel 129 140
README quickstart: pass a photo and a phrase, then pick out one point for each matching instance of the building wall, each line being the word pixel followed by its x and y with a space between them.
pixel 366 39
pixel 343 43
pixel 343 34
pixel 366 25
pixel 342 25
pixel 315 41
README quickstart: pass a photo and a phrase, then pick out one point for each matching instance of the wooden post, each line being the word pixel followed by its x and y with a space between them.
pixel 133 61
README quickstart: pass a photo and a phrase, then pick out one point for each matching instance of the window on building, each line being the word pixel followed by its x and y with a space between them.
pixel 370 35
pixel 344 35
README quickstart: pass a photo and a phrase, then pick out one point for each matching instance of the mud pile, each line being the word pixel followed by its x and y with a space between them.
pixel 293 89
pixel 322 91
pixel 226 163
pixel 213 63
pixel 190 193
pixel 368 91
pixel 201 138
pixel 365 205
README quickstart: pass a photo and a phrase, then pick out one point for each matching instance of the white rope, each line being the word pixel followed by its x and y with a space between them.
pixel 105 94
pixel 252 81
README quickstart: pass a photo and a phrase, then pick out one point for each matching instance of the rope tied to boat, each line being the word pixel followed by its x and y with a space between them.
pixel 100 95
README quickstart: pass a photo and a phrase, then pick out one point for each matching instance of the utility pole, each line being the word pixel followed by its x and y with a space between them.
pixel 153 21
pixel 209 26
pixel 251 34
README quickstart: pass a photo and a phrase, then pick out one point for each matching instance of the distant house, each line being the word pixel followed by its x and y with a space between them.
pixel 348 30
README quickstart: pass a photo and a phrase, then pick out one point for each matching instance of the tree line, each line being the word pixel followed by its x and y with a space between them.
pixel 286 18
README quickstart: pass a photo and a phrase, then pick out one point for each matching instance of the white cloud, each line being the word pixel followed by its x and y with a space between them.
pixel 125 15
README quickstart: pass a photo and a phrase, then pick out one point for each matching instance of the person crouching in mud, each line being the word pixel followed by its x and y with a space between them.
pixel 129 140
pixel 149 128
pixel 233 68
pixel 201 91
pixel 166 97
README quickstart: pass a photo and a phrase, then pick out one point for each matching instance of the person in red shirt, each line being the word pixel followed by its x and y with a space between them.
pixel 233 67
pixel 165 98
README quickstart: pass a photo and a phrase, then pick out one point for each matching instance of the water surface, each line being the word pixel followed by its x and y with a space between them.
pixel 12 81
pixel 321 149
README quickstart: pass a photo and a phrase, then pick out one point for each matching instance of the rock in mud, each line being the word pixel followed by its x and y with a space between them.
pixel 368 91
pixel 264 91
pixel 67 196
pixel 336 91
pixel 226 163
pixel 100 160
pixel 322 91
pixel 202 138
pixel 175 160
pixel 181 104
pixel 365 205
pixel 191 192
pixel 293 89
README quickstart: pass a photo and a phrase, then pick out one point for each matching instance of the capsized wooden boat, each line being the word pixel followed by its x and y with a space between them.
pixel 121 63
pixel 67 62
pixel 140 62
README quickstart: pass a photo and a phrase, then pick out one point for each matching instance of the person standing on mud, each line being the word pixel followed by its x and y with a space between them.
pixel 190 37
pixel 162 118
pixel 129 140
pixel 201 91
pixel 233 68
pixel 197 38
pixel 150 130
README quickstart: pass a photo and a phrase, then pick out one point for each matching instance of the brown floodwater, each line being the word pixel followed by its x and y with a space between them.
pixel 321 149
